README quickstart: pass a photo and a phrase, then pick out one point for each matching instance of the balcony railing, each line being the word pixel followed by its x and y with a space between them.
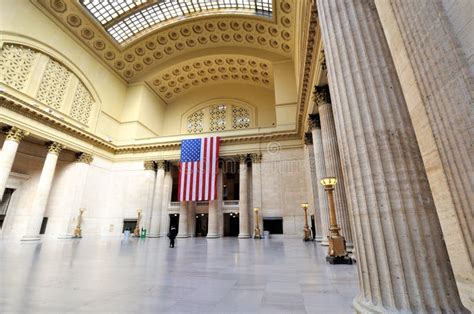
pixel 228 204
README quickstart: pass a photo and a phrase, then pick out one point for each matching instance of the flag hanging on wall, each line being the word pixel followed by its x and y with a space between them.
pixel 198 169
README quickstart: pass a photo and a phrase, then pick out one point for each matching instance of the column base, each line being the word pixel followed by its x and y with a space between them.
pixel 30 238
pixel 153 236
pixel 325 242
pixel 319 238
pixel 244 236
pixel 365 307
pixel 65 236
pixel 182 236
pixel 333 260
pixel 213 236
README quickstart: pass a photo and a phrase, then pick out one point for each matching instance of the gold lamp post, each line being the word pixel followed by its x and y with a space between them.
pixel 136 231
pixel 337 253
pixel 306 230
pixel 77 230
pixel 257 234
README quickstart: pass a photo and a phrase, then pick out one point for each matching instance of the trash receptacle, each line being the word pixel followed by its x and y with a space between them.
pixel 126 234
pixel 143 234
pixel 266 234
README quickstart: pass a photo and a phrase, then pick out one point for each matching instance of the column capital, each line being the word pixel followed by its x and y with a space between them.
pixel 55 148
pixel 160 164
pixel 314 121
pixel 243 158
pixel 16 134
pixel 85 158
pixel 322 61
pixel 321 95
pixel 256 157
pixel 308 138
pixel 149 165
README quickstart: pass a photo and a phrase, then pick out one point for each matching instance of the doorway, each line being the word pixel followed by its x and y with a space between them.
pixel 174 222
pixel 313 227
pixel 201 225
pixel 129 224
pixel 231 224
pixel 7 195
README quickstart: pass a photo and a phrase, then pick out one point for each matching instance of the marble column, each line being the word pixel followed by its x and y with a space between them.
pixel 149 184
pixel 7 155
pixel 82 165
pixel 166 200
pixel 320 172
pixel 402 261
pixel 244 228
pixel 213 216
pixel 220 201
pixel 156 215
pixel 257 189
pixel 183 220
pixel 333 162
pixel 40 200
pixel 192 219
pixel 312 184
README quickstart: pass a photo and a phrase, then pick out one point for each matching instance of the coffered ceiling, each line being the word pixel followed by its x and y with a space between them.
pixel 151 48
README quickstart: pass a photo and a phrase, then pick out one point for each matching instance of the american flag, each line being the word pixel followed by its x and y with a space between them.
pixel 198 169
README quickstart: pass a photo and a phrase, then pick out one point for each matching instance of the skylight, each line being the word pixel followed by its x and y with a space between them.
pixel 124 19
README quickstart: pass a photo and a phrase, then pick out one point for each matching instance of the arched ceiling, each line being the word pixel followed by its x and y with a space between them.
pixel 182 77
pixel 219 32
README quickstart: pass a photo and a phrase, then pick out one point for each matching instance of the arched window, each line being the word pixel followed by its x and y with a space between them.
pixel 219 116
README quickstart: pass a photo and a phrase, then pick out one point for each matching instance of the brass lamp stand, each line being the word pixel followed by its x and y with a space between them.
pixel 257 234
pixel 136 231
pixel 78 231
pixel 337 253
pixel 306 230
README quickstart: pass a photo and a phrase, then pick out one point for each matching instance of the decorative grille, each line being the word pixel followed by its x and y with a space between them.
pixel 82 104
pixel 240 118
pixel 15 65
pixel 218 115
pixel 195 123
pixel 53 84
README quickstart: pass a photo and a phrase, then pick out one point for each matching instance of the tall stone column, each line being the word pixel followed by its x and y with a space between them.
pixel 156 215
pixel 167 187
pixel 192 219
pixel 213 216
pixel 333 161
pixel 220 201
pixel 402 259
pixel 257 188
pixel 313 186
pixel 42 193
pixel 7 155
pixel 82 165
pixel 183 220
pixel 320 172
pixel 244 232
pixel 150 177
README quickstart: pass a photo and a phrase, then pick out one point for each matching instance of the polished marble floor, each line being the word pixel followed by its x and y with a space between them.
pixel 199 276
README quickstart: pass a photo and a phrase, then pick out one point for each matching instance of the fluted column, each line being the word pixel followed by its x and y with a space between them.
pixel 192 219
pixel 244 228
pixel 320 172
pixel 213 216
pixel 312 186
pixel 166 200
pixel 402 259
pixel 156 215
pixel 220 201
pixel 149 184
pixel 42 193
pixel 7 155
pixel 82 165
pixel 257 188
pixel 183 220
pixel 333 162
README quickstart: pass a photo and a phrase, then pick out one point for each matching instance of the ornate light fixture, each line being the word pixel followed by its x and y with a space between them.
pixel 257 234
pixel 306 230
pixel 337 253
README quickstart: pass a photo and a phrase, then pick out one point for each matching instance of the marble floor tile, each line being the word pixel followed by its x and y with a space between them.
pixel 103 275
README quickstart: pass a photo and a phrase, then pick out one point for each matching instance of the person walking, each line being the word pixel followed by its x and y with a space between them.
pixel 172 235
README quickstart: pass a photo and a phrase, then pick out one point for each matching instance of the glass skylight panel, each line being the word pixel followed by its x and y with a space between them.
pixel 122 26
